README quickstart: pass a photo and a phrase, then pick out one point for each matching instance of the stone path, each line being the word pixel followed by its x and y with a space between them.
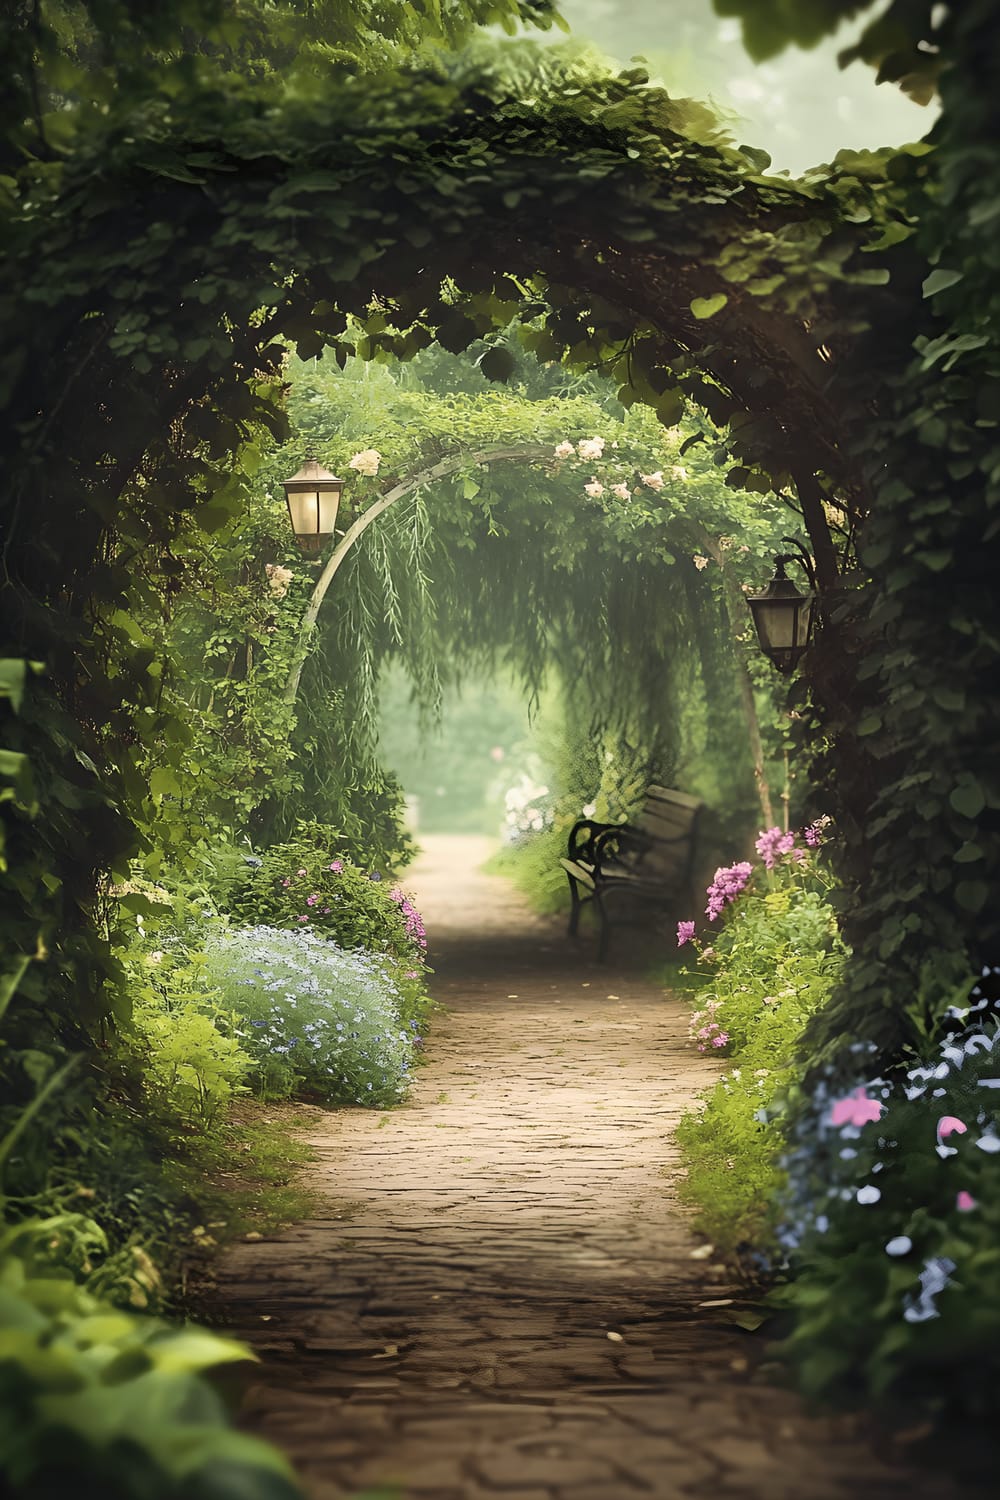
pixel 500 1301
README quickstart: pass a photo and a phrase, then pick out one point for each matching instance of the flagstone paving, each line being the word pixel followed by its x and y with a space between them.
pixel 500 1299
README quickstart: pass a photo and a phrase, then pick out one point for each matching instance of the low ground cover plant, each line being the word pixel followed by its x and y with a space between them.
pixel 767 961
pixel 314 1016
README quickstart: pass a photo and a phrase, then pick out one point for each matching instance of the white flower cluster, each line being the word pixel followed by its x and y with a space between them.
pixel 593 449
pixel 522 816
pixel 701 563
pixel 278 579
pixel 366 462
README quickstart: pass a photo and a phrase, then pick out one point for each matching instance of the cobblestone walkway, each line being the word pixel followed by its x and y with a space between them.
pixel 500 1301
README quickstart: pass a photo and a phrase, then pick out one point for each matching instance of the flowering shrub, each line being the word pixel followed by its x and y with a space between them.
pixel 278 580
pixel 526 810
pixel 779 943
pixel 771 965
pixel 303 883
pixel 891 1221
pixel 316 1016
pixel 366 462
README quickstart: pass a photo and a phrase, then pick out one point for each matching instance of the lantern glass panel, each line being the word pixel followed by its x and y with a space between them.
pixel 775 620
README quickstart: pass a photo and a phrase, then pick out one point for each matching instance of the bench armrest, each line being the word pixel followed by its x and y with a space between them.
pixel 616 839
pixel 582 836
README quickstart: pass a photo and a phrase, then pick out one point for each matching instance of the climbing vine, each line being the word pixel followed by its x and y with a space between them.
pixel 148 346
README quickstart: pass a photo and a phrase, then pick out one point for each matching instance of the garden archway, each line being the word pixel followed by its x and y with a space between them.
pixel 148 345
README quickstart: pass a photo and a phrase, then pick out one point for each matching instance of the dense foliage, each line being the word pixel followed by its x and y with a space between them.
pixel 308 882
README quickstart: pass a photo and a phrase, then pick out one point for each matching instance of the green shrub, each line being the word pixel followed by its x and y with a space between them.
pixel 304 883
pixel 317 1017
pixel 95 1400
pixel 192 1067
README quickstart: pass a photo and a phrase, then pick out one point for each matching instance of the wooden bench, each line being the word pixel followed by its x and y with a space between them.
pixel 618 866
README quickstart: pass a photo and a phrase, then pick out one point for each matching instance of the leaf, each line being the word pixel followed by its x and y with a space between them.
pixel 939 280
pixel 759 158
pixel 968 799
pixel 9 982
pixel 707 307
pixel 13 673
pixel 972 895
pixel 13 764
pixel 670 408
pixel 746 1319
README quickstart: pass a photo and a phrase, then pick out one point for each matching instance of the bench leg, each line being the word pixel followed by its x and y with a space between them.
pixel 602 947
pixel 574 911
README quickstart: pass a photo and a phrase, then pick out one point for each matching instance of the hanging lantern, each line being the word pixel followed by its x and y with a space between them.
pixel 313 496
pixel 782 618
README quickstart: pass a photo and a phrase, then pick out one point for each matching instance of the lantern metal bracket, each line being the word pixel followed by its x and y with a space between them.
pixel 801 556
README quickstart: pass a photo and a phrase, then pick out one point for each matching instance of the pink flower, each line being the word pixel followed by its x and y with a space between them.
pixel 720 1039
pixel 856 1109
pixel 286 881
pixel 336 867
pixel 950 1125
pixel 326 911
pixel 815 833
pixel 303 918
pixel 411 974
pixel 965 1202
pixel 311 900
pixel 727 884
pixel 772 844
pixel 685 932
pixel 303 872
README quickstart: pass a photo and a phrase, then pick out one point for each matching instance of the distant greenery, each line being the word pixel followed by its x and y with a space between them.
pixel 458 766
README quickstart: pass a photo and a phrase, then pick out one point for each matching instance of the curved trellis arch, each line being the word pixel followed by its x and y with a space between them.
pixel 536 454
pixel 158 280
pixel 441 470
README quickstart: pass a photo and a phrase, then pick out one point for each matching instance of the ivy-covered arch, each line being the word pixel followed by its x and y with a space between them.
pixel 160 274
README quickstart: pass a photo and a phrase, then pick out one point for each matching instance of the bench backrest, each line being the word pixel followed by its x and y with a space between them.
pixel 670 820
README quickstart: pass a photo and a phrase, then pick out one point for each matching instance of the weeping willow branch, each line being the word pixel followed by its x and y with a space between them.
pixel 735 606
pixel 523 454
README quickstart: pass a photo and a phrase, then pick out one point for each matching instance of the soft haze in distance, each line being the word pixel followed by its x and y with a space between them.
pixel 800 106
